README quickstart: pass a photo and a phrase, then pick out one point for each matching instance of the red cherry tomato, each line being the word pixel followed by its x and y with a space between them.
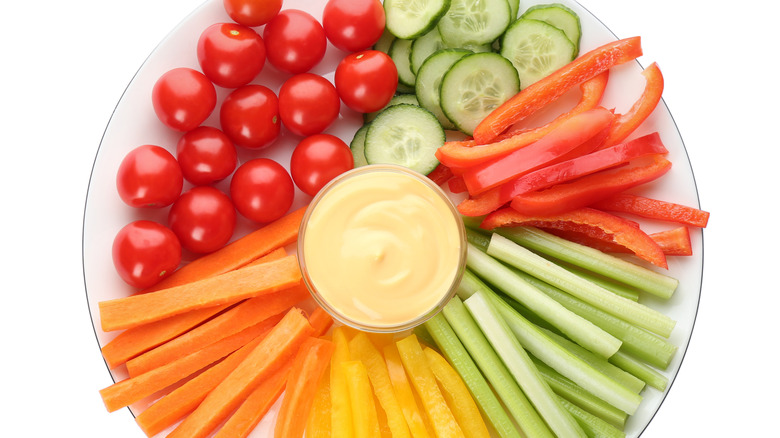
pixel 145 252
pixel 262 190
pixel 295 41
pixel 353 25
pixel 308 104
pixel 203 218
pixel 183 98
pixel 317 160
pixel 252 12
pixel 149 176
pixel 206 155
pixel 250 116
pixel 231 55
pixel 366 81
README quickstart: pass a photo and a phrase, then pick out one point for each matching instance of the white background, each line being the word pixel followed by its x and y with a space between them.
pixel 64 65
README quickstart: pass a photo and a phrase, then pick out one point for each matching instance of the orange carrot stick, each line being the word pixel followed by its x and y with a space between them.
pixel 308 367
pixel 238 253
pixel 254 408
pixel 320 320
pixel 243 315
pixel 184 399
pixel 280 344
pixel 137 340
pixel 226 288
pixel 129 391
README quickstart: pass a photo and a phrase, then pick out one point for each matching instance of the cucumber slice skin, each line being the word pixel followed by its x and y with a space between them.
pixel 395 100
pixel 560 16
pixel 474 22
pixel 401 54
pixel 429 77
pixel 406 135
pixel 488 71
pixel 520 45
pixel 358 145
pixel 407 24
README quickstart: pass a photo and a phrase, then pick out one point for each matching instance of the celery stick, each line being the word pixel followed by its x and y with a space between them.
pixel 473 222
pixel 469 284
pixel 625 291
pixel 456 354
pixel 633 312
pixel 558 358
pixel 572 325
pixel 641 370
pixel 519 364
pixel 603 365
pixel 494 370
pixel 576 394
pixel 479 240
pixel 593 425
pixel 593 260
pixel 637 342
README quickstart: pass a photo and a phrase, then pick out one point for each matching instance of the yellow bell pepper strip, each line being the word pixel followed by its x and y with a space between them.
pixel 626 123
pixel 341 407
pixel 457 396
pixel 546 90
pixel 403 391
pixel 318 422
pixel 421 376
pixel 361 348
pixel 364 418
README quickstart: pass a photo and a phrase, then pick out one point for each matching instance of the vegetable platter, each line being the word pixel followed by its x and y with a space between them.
pixel 134 123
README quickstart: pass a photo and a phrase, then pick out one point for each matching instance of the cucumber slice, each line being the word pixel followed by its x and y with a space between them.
pixel 405 135
pixel 536 49
pixel 474 22
pixel 559 16
pixel 424 47
pixel 400 53
pixel 514 9
pixel 384 42
pixel 429 81
pixel 410 19
pixel 475 86
pixel 358 146
pixel 411 99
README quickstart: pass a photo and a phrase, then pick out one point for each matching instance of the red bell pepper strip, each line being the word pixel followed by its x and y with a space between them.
pixel 654 209
pixel 674 242
pixel 564 171
pixel 467 153
pixel 456 185
pixel 626 123
pixel 546 90
pixel 551 148
pixel 440 174
pixel 592 188
pixel 594 223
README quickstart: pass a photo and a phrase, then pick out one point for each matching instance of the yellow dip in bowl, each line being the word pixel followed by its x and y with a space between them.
pixel 382 248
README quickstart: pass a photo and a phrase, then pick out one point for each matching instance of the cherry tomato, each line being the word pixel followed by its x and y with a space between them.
pixel 203 218
pixel 366 81
pixel 145 252
pixel 353 25
pixel 183 98
pixel 206 155
pixel 250 116
pixel 308 104
pixel 231 55
pixel 149 176
pixel 252 12
pixel 262 190
pixel 295 41
pixel 317 160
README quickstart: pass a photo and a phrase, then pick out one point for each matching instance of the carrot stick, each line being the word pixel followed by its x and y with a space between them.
pixel 280 344
pixel 137 340
pixel 254 408
pixel 243 315
pixel 308 367
pixel 184 399
pixel 238 253
pixel 321 321
pixel 128 391
pixel 226 288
